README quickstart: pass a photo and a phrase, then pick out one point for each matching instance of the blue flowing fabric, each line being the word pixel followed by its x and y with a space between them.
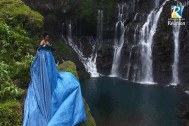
pixel 54 97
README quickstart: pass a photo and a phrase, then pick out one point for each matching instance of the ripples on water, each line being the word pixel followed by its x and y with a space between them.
pixel 116 102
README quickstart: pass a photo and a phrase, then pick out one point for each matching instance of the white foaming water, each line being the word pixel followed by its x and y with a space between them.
pixel 156 2
pixel 135 66
pixel 175 78
pixel 147 33
pixel 187 92
pixel 129 63
pixel 118 44
pixel 88 62
pixel 119 38
pixel 176 33
pixel 90 66
pixel 99 30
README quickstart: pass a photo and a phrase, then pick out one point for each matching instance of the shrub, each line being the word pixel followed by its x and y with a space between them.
pixel 14 56
pixel 9 91
pixel 10 113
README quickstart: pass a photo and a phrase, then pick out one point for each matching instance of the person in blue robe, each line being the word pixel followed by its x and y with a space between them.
pixel 54 97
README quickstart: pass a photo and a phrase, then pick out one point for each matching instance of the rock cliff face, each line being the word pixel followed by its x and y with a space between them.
pixel 162 47
pixel 184 49
pixel 90 27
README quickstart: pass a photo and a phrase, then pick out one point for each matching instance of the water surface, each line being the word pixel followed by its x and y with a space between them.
pixel 116 102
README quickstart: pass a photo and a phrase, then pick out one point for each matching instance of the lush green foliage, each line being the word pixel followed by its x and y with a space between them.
pixel 10 113
pixel 16 13
pixel 9 91
pixel 15 60
pixel 87 9
pixel 17 22
pixel 62 49
pixel 14 42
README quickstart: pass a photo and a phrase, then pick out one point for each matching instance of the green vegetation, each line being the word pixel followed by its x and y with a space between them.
pixel 62 46
pixel 62 49
pixel 90 120
pixel 16 13
pixel 17 24
pixel 69 66
pixel 17 21
pixel 108 6
pixel 20 28
pixel 14 56
pixel 87 9
pixel 11 113
pixel 9 91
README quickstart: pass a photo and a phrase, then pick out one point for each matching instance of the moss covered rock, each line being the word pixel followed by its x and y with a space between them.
pixel 69 66
pixel 90 120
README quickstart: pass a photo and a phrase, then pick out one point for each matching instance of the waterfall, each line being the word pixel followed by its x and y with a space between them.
pixel 129 63
pixel 175 78
pixel 88 62
pixel 130 54
pixel 118 44
pixel 99 29
pixel 145 45
pixel 156 2
pixel 123 13
pixel 135 66
pixel 63 34
pixel 91 61
pixel 135 34
pixel 176 33
pixel 90 66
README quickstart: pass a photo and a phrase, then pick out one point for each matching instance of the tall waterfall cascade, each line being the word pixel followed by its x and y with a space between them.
pixel 99 30
pixel 130 54
pixel 88 62
pixel 129 63
pixel 176 33
pixel 147 33
pixel 123 10
pixel 134 37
